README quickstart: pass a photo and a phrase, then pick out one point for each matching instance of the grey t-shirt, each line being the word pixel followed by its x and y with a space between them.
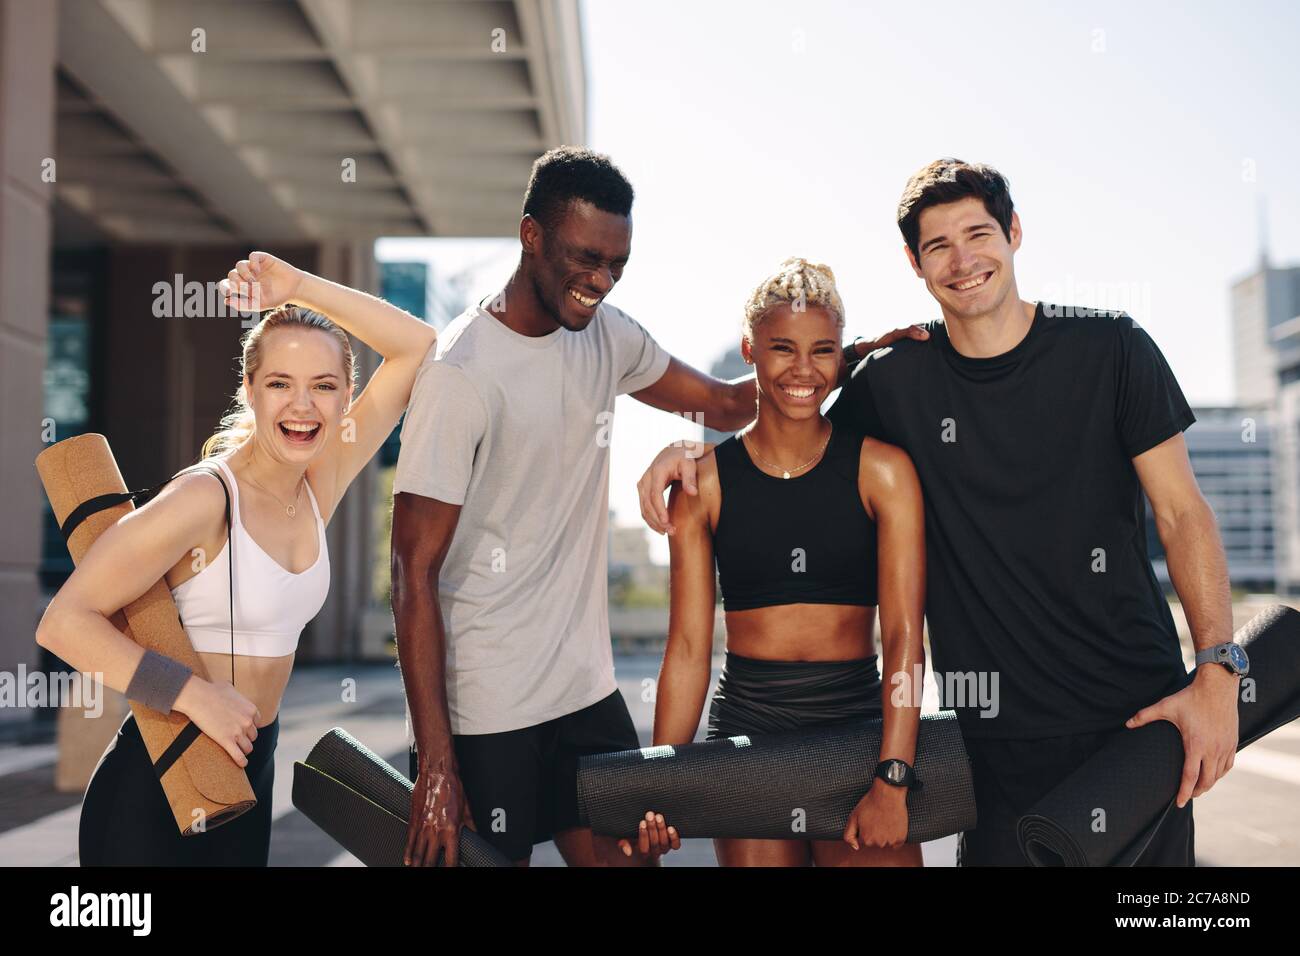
pixel 516 430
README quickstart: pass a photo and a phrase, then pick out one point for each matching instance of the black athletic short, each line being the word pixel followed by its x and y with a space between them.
pixel 522 785
pixel 760 696
pixel 1010 776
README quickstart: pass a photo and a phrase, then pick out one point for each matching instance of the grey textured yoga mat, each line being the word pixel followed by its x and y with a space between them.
pixel 1134 779
pixel 364 803
pixel 796 786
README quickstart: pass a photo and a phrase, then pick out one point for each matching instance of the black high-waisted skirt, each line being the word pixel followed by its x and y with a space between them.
pixel 126 820
pixel 766 697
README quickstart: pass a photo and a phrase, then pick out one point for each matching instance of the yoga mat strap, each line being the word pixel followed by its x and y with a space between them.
pixel 176 748
pixel 100 502
pixel 92 506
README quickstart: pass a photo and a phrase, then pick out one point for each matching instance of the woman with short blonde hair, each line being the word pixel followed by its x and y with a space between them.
pixel 808 528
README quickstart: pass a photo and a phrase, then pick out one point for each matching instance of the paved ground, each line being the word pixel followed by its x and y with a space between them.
pixel 1250 818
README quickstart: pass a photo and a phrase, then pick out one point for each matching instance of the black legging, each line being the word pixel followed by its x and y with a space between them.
pixel 126 820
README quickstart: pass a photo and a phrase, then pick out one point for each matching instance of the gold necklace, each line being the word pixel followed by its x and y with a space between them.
pixel 785 473
pixel 291 509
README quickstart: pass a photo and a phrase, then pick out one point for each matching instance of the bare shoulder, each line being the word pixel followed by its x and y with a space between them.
pixel 885 467
pixel 706 474
pixel 189 512
pixel 192 499
pixel 700 507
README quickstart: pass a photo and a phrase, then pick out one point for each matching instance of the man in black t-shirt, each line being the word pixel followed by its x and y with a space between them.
pixel 1035 428
pixel 1037 557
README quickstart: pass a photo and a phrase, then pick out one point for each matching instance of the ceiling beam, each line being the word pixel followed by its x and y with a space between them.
pixel 106 59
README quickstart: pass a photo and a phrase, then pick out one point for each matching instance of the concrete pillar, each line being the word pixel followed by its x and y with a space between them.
pixel 28 33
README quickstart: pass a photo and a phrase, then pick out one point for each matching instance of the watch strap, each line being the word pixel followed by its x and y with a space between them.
pixel 1219 654
pixel 910 781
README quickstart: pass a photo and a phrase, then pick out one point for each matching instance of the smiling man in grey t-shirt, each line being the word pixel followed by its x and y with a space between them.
pixel 500 506
pixel 500 515
pixel 513 429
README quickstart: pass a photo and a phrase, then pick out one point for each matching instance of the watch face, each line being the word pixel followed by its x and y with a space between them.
pixel 1238 656
pixel 895 772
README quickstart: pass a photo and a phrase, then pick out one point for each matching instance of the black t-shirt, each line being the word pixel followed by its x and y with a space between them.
pixel 1042 605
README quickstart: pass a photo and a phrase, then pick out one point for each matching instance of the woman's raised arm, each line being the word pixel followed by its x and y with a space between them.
pixel 263 282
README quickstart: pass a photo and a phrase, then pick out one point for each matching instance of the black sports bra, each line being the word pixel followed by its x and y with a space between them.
pixel 804 540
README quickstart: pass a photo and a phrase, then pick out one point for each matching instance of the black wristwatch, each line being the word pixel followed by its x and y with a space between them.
pixel 896 773
pixel 851 363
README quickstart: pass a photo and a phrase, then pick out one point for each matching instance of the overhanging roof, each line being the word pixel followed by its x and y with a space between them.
pixel 440 106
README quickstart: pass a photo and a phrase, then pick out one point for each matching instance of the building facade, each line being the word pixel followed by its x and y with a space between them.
pixel 1232 451
pixel 145 147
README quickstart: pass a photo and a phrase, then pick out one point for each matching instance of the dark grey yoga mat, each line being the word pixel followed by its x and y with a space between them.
pixel 1134 779
pixel 796 786
pixel 364 803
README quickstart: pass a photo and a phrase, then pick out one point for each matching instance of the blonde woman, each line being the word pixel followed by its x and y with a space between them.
pixel 286 454
pixel 810 527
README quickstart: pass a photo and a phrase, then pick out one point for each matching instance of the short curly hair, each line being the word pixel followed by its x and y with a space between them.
pixel 568 173
pixel 796 282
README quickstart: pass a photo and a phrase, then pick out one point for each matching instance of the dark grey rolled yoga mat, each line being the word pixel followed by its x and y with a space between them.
pixel 364 803
pixel 796 786
pixel 1134 779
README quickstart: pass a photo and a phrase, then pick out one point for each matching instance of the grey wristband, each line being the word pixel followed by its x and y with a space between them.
pixel 157 681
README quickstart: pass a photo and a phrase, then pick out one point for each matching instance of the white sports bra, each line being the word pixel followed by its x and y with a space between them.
pixel 271 605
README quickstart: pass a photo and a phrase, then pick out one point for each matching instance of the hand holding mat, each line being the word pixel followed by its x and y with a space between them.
pixel 361 801
pixel 1134 779
pixel 796 786
pixel 195 771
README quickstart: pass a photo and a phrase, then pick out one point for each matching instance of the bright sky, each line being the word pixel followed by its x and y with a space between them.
pixel 1138 139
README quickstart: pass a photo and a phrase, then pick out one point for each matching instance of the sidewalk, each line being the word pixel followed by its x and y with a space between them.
pixel 1249 818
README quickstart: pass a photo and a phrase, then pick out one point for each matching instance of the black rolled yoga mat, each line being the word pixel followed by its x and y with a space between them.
pixel 796 786
pixel 364 803
pixel 1134 779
